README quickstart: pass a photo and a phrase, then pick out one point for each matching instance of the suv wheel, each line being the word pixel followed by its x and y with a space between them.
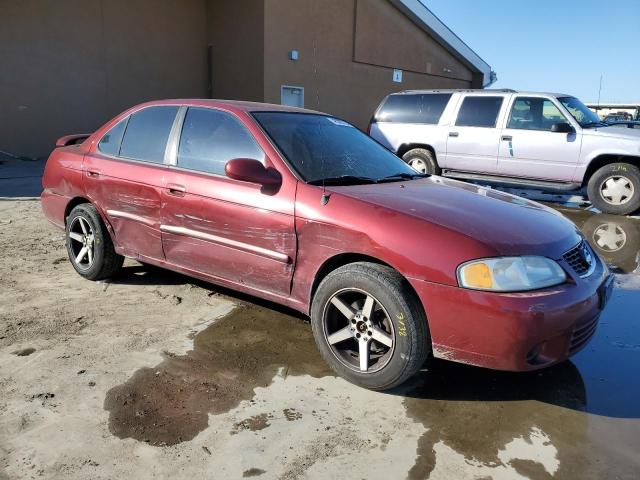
pixel 368 326
pixel 422 160
pixel 615 188
pixel 89 245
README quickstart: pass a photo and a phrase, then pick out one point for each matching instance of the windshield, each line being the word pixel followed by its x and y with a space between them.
pixel 320 148
pixel 578 110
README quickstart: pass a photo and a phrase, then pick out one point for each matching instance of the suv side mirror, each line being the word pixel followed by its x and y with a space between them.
pixel 252 171
pixel 563 127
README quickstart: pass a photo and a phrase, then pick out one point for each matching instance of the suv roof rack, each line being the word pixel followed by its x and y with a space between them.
pixel 448 90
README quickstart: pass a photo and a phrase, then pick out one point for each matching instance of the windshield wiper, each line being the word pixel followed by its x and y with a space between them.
pixel 343 180
pixel 402 176
pixel 594 124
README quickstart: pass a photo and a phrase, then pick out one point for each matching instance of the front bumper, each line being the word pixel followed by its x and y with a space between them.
pixel 514 331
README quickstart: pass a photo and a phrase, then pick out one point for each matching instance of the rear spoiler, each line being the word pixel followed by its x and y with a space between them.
pixel 72 139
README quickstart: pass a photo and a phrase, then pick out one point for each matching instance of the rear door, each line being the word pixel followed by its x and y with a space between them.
pixel 123 177
pixel 411 118
pixel 235 231
pixel 473 137
pixel 529 148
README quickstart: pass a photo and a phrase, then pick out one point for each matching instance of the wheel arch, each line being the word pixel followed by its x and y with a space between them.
pixel 605 159
pixel 333 263
pixel 73 203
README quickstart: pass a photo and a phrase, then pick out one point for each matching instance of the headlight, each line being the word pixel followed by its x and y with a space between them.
pixel 510 274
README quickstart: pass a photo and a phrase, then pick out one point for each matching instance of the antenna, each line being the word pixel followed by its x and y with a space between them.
pixel 599 90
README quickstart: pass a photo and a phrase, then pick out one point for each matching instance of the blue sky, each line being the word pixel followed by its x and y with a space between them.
pixel 558 46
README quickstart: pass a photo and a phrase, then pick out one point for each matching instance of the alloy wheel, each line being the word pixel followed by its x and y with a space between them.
pixel 358 330
pixel 82 239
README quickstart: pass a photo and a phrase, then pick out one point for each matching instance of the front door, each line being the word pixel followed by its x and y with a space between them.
pixel 473 139
pixel 123 177
pixel 229 230
pixel 528 147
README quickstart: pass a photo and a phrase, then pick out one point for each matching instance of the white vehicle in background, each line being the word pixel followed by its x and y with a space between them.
pixel 541 140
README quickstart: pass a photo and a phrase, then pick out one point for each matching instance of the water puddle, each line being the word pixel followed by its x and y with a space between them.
pixel 171 402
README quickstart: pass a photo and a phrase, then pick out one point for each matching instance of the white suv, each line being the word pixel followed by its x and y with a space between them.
pixel 543 140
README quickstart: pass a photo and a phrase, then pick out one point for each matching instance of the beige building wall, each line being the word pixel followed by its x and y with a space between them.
pixel 348 49
pixel 68 66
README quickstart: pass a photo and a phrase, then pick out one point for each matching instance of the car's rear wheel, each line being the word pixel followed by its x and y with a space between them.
pixel 89 245
pixel 369 326
pixel 422 160
pixel 615 188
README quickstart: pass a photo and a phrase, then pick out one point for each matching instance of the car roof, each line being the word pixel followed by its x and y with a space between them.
pixel 486 91
pixel 230 105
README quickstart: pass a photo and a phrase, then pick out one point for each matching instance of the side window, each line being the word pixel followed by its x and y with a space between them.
pixel 414 108
pixel 210 138
pixel 479 111
pixel 532 113
pixel 145 137
pixel 110 143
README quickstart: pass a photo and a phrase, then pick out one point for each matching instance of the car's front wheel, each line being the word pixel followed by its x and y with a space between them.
pixel 369 326
pixel 89 245
pixel 615 188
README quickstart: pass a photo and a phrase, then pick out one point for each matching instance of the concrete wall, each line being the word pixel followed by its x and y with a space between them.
pixel 348 49
pixel 68 66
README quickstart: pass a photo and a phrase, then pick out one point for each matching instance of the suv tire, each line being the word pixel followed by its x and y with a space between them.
pixel 366 307
pixel 615 188
pixel 89 244
pixel 422 160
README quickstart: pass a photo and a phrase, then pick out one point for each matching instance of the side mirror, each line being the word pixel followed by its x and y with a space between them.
pixel 561 128
pixel 252 171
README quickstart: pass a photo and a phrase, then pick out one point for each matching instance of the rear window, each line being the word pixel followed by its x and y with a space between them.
pixel 110 143
pixel 479 112
pixel 147 132
pixel 414 108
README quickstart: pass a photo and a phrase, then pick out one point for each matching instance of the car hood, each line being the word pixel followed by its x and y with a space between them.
pixel 614 132
pixel 504 223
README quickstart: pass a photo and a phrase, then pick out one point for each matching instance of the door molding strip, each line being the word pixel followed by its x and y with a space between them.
pixel 130 216
pixel 246 247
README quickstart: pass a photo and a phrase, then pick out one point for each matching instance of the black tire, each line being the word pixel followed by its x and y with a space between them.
pixel 422 160
pixel 596 188
pixel 409 330
pixel 104 261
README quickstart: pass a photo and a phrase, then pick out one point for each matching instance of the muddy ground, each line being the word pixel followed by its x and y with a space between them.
pixel 156 375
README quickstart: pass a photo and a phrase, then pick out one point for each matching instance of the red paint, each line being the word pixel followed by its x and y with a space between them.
pixel 262 231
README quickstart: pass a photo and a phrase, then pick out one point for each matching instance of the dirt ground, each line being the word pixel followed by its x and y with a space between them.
pixel 156 375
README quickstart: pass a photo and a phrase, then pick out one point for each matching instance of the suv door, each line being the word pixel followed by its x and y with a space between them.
pixel 239 232
pixel 529 148
pixel 473 139
pixel 123 177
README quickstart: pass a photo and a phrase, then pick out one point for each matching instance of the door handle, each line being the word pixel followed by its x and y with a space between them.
pixel 176 190
pixel 506 138
pixel 93 173
pixel 453 134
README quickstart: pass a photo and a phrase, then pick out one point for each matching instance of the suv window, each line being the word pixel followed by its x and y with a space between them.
pixel 210 138
pixel 414 108
pixel 145 137
pixel 110 143
pixel 533 113
pixel 479 111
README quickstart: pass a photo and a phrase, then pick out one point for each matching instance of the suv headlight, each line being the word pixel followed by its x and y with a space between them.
pixel 510 274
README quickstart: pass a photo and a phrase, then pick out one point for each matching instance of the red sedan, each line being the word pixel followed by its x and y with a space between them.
pixel 303 209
